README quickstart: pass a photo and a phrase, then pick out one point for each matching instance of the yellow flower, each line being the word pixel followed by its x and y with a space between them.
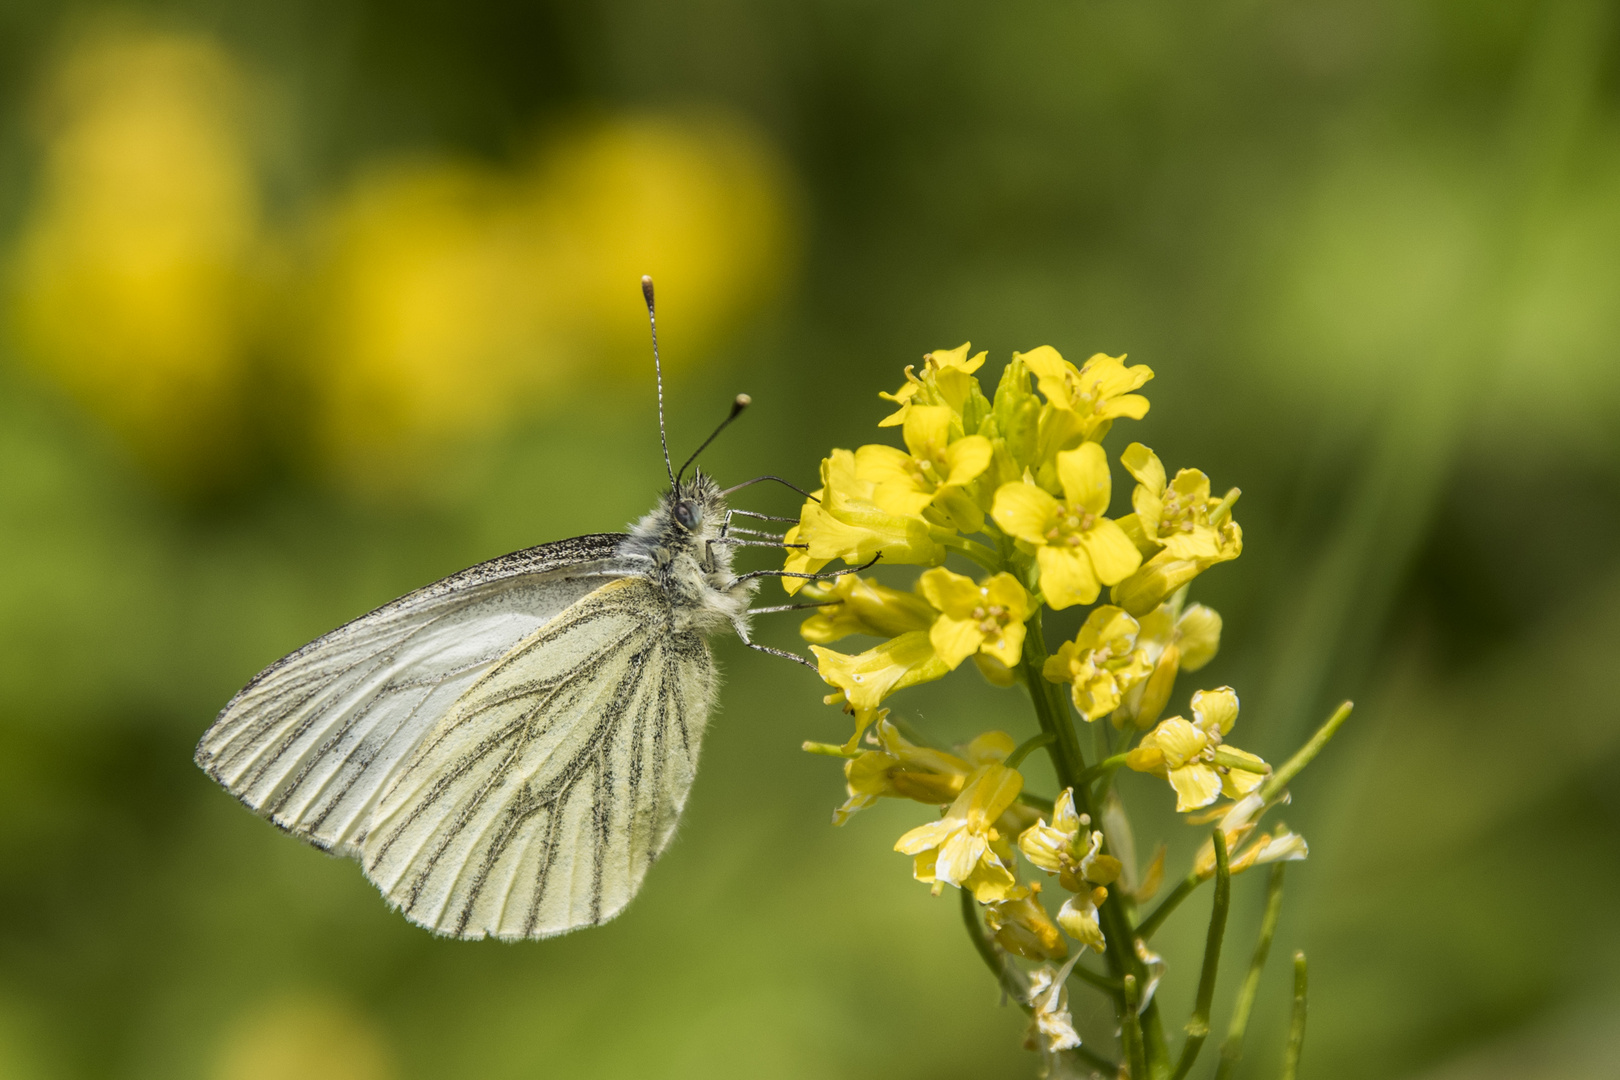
pixel 1077 549
pixel 902 770
pixel 947 379
pixel 1052 1028
pixel 1102 662
pixel 856 605
pixel 842 522
pixel 1172 640
pixel 984 618
pixel 959 849
pixel 1178 524
pixel 1191 755
pixel 1085 401
pixel 1022 926
pixel 869 677
pixel 933 474
pixel 1175 514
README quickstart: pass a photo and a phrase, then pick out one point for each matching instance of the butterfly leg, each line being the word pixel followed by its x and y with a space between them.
pixel 742 633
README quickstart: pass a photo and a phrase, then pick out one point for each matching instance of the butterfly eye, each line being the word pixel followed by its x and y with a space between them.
pixel 687 513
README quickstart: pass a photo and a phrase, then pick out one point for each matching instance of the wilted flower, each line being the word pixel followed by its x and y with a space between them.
pixel 1022 926
pixel 1052 1026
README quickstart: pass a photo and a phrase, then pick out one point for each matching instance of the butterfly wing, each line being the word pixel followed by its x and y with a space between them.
pixel 314 739
pixel 539 801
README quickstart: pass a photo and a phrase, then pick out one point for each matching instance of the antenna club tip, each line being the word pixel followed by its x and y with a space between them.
pixel 741 402
pixel 647 288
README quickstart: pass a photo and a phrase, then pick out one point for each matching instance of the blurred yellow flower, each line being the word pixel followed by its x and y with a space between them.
pixel 450 296
pixel 857 605
pixel 931 472
pixel 1077 549
pixel 1102 662
pixel 975 618
pixel 960 848
pixel 307 1036
pixel 1192 756
pixel 132 287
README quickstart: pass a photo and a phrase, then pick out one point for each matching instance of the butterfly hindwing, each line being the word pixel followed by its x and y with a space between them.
pixel 314 739
pixel 538 802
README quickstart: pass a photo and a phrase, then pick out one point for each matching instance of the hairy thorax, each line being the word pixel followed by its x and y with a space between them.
pixel 679 545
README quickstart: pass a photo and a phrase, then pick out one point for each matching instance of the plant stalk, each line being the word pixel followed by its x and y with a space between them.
pixel 1232 1046
pixel 1198 1025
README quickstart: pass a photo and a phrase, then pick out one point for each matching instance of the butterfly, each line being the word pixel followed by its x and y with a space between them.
pixel 508 750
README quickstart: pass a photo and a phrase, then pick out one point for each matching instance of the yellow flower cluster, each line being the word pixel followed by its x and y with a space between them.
pixel 1017 490
pixel 1026 472
pixel 1019 487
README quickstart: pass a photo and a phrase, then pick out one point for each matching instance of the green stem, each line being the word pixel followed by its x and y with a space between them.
pixel 1010 978
pixel 1102 768
pixel 1302 757
pixel 975 551
pixel 1198 1025
pixel 1101 982
pixel 1131 1031
pixel 1069 763
pixel 1064 747
pixel 1232 1047
pixel 1296 1028
pixel 1167 906
pixel 1027 747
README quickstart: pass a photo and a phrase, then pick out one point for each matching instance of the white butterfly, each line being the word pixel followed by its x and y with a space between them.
pixel 505 751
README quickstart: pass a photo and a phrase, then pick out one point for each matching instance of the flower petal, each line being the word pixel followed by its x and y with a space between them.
pixel 1216 708
pixel 1083 472
pixel 1196 785
pixel 1024 510
pixel 953 594
pixel 1066 576
pixel 1145 465
pixel 1113 555
pixel 955 640
pixel 967 458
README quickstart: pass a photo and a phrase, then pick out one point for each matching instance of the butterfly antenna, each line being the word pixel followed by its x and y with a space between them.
pixel 738 404
pixel 658 370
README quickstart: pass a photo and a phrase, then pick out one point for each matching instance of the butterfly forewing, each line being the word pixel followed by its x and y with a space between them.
pixel 538 802
pixel 316 738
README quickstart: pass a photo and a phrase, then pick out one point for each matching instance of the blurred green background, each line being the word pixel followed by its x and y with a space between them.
pixel 307 304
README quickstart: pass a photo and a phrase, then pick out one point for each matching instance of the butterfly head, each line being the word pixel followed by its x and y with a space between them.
pixel 681 546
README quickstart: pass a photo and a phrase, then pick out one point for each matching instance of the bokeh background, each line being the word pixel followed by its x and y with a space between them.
pixel 306 304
